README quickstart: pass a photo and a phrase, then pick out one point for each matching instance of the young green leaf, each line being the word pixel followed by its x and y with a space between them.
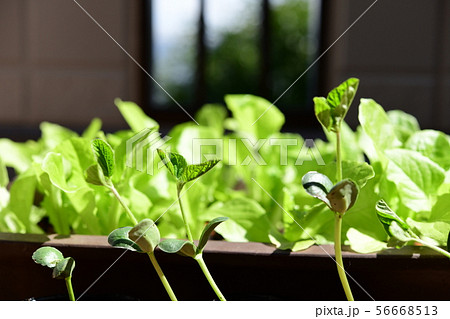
pixel 386 216
pixel 317 185
pixel 181 247
pixel 146 235
pixel 178 167
pixel 416 177
pixel 323 112
pixel 94 175
pixel 53 165
pixel 404 124
pixel 196 170
pixel 134 116
pixel 254 115
pixel 92 130
pixel 175 163
pixel 64 268
pixel 212 115
pixel 343 196
pixel 119 238
pixel 397 231
pixel 360 173
pixel 207 232
pixel 433 144
pixel 105 156
pixel 331 111
pixel 377 126
pixel 47 256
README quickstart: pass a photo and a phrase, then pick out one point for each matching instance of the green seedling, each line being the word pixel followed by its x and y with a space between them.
pixel 184 173
pixel 330 112
pixel 144 236
pixel 412 167
pixel 399 231
pixel 62 267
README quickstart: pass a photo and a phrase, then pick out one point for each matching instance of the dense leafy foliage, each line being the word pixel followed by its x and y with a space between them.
pixel 407 167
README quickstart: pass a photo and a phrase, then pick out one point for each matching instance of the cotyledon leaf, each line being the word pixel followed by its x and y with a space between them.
pixel 207 232
pixel 317 185
pixel 343 196
pixel 47 256
pixel 64 268
pixel 146 235
pixel 119 238
pixel 179 246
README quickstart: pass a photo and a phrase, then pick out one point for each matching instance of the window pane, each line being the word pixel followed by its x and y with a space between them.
pixel 175 25
pixel 294 44
pixel 232 39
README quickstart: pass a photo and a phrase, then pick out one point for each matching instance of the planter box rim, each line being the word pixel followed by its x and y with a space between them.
pixel 224 247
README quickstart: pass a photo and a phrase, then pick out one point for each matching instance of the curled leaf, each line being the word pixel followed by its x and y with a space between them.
pixel 317 185
pixel 181 247
pixel 64 268
pixel 146 235
pixel 386 216
pixel 47 256
pixel 119 238
pixel 343 196
pixel 94 175
pixel 207 232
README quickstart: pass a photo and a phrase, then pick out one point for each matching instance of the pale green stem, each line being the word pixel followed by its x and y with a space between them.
pixel 201 262
pixel 338 256
pixel 162 277
pixel 338 156
pixel 69 288
pixel 435 248
pixel 127 210
pixel 186 225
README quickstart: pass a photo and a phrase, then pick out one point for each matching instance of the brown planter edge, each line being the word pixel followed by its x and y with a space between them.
pixel 250 271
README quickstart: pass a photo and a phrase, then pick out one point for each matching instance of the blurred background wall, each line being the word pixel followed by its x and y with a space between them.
pixel 58 65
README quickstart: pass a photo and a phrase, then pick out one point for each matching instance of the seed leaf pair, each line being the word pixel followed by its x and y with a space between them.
pixel 339 198
pixel 178 167
pixel 332 110
pixel 187 248
pixel 53 258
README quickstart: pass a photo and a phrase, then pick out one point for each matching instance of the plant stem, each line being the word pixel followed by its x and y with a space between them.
pixel 338 256
pixel 186 225
pixel 69 288
pixel 435 248
pixel 127 210
pixel 162 277
pixel 338 156
pixel 201 262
